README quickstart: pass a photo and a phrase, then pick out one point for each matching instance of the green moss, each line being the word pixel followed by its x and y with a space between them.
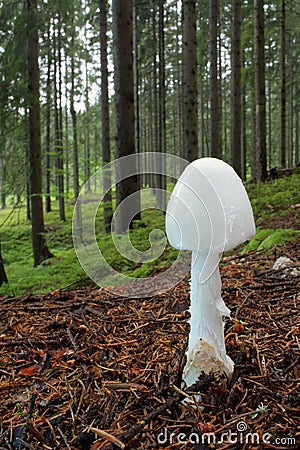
pixel 266 239
pixel 274 199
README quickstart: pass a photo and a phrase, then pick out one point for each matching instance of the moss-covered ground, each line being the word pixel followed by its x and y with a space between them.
pixel 275 205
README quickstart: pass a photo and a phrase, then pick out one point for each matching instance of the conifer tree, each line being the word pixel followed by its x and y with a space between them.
pixel 40 249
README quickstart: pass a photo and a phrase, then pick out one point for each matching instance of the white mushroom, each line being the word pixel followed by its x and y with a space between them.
pixel 209 211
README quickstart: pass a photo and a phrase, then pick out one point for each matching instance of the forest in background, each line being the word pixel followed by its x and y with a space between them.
pixel 204 79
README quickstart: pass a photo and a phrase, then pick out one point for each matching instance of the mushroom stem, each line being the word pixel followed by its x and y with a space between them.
pixel 206 348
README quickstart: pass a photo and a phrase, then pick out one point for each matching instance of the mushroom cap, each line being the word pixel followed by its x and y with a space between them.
pixel 209 209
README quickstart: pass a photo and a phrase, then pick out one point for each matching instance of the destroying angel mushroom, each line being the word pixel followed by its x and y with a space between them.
pixel 208 212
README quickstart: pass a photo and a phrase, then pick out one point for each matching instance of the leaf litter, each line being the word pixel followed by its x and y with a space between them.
pixel 88 370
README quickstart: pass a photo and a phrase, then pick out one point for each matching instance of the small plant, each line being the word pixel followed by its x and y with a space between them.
pixel 259 410
pixel 20 411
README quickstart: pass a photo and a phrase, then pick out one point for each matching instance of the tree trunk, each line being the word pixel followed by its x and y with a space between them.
pixel 202 120
pixel 87 151
pixel 40 249
pixel 291 116
pixel 282 150
pixel 137 137
pixel 215 150
pixel 260 92
pixel 155 122
pixel 136 78
pixel 297 136
pixel 179 95
pixel 161 179
pixel 124 110
pixel 66 120
pixel 243 124
pixel 236 147
pixel 253 136
pixel 269 151
pixel 66 143
pixel 3 277
pixel 74 127
pixel 190 95
pixel 59 142
pixel 105 126
pixel 48 125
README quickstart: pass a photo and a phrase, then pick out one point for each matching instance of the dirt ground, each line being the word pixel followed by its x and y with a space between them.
pixel 87 370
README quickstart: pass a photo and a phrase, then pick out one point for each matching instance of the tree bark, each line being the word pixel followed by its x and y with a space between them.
pixel 105 125
pixel 190 94
pixel 87 151
pixel 74 126
pixel 48 125
pixel 161 179
pixel 297 135
pixel 269 149
pixel 137 137
pixel 243 124
pixel 124 109
pixel 236 147
pixel 260 91
pixel 215 149
pixel 59 137
pixel 40 249
pixel 282 150
pixel 3 277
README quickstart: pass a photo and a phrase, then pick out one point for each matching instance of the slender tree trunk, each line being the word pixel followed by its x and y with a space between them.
pixel 87 151
pixel 253 136
pixel 202 120
pixel 151 135
pixel 105 126
pixel 297 135
pixel 291 117
pixel 282 150
pixel 226 138
pixel 40 249
pixel 136 78
pixel 260 91
pixel 66 136
pixel 74 126
pixel 97 154
pixel 236 144
pixel 124 110
pixel 60 149
pixel 190 94
pixel 58 120
pixel 179 94
pixel 137 137
pixel 244 126
pixel 215 149
pixel 66 145
pixel 269 107
pixel 3 277
pixel 161 179
pixel 48 125
pixel 155 122
pixel 27 155
pixel 219 65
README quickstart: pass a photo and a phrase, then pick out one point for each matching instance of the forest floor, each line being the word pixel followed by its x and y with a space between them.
pixel 84 369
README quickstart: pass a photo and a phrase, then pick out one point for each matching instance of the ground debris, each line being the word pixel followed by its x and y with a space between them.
pixel 84 370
